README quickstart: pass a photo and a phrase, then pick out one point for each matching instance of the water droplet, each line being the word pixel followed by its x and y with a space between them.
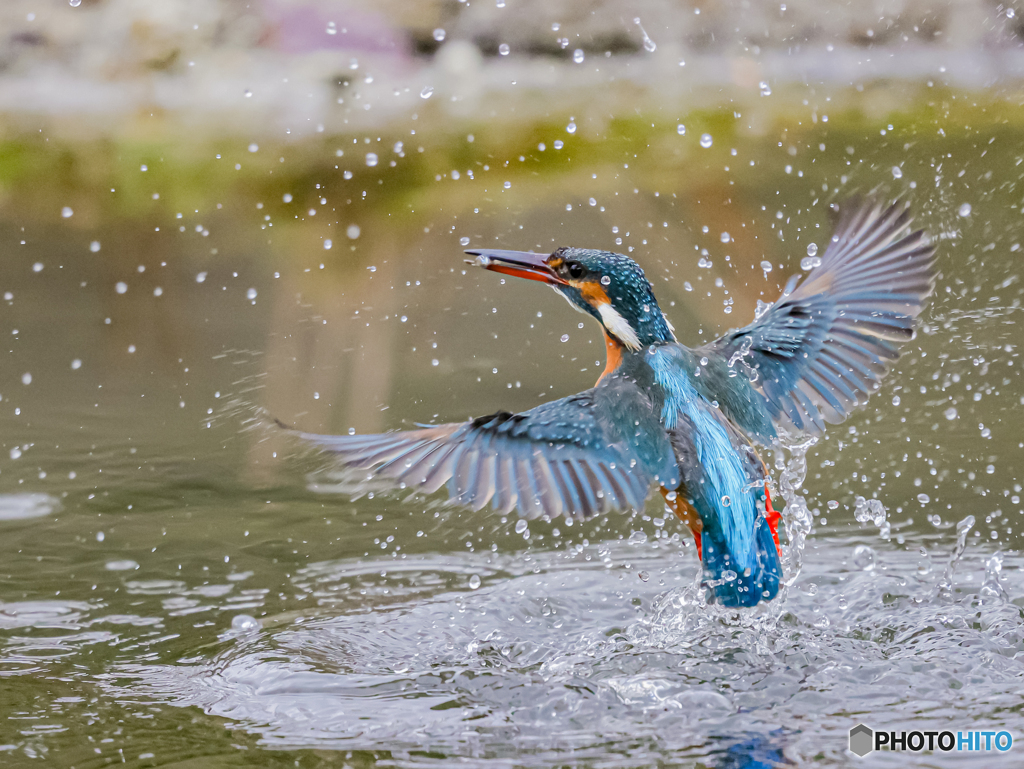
pixel 810 262
pixel 521 525
pixel 644 576
pixel 243 623
pixel 76 364
pixel 895 400
pixel 37 267
pixel 649 45
pixel 766 265
pixel 965 210
pixel 571 128
pixel 474 582
pixel 705 140
pixel 74 3
pixel 332 28
pixel 121 287
pixel 565 337
pixel 726 501
pixel 558 144
pixel 507 185
pixel 924 499
pixel 248 94
pixel 577 56
pixel 254 147
pixel 606 280
pixel 950 413
pixel 371 159
pixel 427 92
pixel 200 277
pixel 765 88
pixel 158 291
pixel 327 244
pixel 864 558
pixel 503 49
pixel 725 237
pixel 897 172
pixel 704 262
pixel 251 293
pixel 66 212
pixel 287 197
pixel 812 249
pixel 16 452
pixel 94 246
pixel 435 362
pixel 463 241
pixel 439 34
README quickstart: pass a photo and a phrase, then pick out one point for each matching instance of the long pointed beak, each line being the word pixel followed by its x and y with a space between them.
pixel 521 264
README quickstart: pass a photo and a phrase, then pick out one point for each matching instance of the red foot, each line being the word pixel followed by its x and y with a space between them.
pixel 700 550
pixel 770 515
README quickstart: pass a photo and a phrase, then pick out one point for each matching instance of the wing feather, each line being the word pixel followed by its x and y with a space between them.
pixel 827 343
pixel 561 458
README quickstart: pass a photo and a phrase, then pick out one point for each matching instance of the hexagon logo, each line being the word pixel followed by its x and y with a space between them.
pixel 862 740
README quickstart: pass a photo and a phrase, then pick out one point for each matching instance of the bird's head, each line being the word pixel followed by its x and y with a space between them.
pixel 611 287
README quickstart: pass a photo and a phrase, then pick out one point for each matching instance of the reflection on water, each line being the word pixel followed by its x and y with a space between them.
pixel 177 584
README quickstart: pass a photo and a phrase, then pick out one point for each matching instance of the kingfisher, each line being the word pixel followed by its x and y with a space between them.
pixel 687 420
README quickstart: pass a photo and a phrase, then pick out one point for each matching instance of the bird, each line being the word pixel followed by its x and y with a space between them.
pixel 687 420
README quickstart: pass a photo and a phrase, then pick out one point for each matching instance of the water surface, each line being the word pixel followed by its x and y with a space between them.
pixel 181 585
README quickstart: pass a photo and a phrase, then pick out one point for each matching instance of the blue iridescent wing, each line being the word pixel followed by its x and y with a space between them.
pixel 824 347
pixel 560 458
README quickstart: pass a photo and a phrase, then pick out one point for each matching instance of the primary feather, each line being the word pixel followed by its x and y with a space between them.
pixel 824 347
pixel 594 452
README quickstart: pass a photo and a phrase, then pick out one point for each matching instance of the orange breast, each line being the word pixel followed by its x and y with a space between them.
pixel 684 512
pixel 614 351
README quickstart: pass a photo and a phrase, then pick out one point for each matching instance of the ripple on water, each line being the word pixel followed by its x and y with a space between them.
pixel 591 659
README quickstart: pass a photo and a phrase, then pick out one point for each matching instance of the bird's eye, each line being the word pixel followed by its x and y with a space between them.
pixel 575 270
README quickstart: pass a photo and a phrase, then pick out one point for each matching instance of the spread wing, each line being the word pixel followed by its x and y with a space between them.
pixel 826 344
pixel 560 458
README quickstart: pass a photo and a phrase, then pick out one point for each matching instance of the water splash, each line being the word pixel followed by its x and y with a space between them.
pixel 795 515
pixel 946 584
pixel 992 587
pixel 873 511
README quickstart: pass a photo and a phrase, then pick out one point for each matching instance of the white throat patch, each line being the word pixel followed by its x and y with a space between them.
pixel 618 326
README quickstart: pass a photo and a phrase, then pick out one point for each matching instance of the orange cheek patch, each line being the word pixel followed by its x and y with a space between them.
pixel 593 292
